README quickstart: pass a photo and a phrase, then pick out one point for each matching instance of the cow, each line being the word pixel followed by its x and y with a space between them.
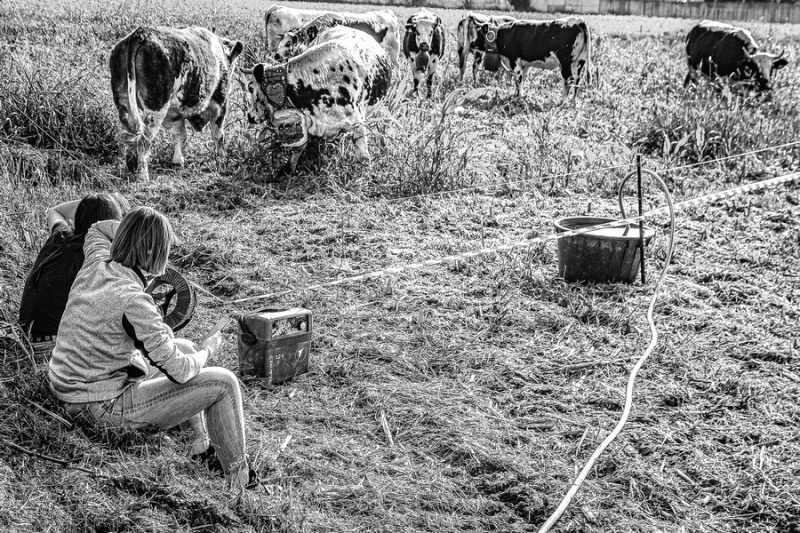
pixel 467 33
pixel 166 77
pixel 424 45
pixel 279 19
pixel 563 44
pixel 383 28
pixel 325 89
pixel 725 51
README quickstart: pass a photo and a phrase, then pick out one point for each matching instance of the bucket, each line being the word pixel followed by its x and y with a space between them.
pixel 606 255
pixel 274 344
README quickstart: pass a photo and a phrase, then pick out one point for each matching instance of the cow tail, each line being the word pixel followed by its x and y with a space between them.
pixel 135 124
pixel 462 36
pixel 587 53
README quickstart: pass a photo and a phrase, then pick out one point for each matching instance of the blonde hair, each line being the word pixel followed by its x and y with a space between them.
pixel 143 240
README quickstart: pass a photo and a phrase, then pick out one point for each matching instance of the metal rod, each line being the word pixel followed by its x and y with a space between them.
pixel 641 220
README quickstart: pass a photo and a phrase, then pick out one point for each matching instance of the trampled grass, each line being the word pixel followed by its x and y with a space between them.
pixel 458 398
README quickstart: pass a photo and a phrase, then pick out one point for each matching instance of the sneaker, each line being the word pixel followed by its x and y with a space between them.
pixel 210 459
pixel 252 480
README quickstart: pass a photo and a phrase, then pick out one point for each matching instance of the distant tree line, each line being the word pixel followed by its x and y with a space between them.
pixel 755 1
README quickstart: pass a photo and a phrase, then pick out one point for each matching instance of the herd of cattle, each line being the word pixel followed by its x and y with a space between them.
pixel 323 69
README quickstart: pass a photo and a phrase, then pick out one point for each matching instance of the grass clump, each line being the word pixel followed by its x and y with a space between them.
pixel 46 107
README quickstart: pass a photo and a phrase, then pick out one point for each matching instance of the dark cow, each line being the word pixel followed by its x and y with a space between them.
pixel 467 34
pixel 384 31
pixel 423 44
pixel 563 44
pixel 324 91
pixel 725 51
pixel 166 76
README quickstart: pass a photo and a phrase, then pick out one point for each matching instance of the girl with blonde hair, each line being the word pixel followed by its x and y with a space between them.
pixel 118 363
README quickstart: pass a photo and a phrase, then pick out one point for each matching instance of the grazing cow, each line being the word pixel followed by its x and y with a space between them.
pixel 325 89
pixel 279 20
pixel 722 50
pixel 467 34
pixel 167 76
pixel 424 40
pixel 563 44
pixel 383 28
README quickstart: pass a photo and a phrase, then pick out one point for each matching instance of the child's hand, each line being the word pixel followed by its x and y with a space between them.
pixel 213 342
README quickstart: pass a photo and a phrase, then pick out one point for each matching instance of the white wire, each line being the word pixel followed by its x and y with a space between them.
pixel 631 379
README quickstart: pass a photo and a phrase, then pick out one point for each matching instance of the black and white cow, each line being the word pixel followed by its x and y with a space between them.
pixel 329 86
pixel 383 29
pixel 423 44
pixel 563 44
pixel 725 51
pixel 280 19
pixel 166 76
pixel 467 34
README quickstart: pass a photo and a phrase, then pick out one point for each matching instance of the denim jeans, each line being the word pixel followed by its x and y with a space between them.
pixel 161 403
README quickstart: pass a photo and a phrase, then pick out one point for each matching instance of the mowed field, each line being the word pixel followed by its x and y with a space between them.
pixel 463 397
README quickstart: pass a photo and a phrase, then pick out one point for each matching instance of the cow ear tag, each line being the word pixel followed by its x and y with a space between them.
pixel 275 80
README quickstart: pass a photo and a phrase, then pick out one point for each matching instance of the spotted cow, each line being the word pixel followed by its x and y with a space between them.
pixel 720 50
pixel 381 26
pixel 563 44
pixel 329 86
pixel 166 77
pixel 280 19
pixel 423 44
pixel 467 35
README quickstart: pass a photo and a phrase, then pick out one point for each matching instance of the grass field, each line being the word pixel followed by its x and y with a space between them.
pixel 457 398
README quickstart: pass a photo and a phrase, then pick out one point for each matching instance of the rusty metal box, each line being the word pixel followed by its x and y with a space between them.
pixel 274 344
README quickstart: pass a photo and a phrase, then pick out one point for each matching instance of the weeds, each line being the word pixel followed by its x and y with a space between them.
pixel 43 107
pixel 444 399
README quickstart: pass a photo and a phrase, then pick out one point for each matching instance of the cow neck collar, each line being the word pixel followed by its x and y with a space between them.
pixel 276 81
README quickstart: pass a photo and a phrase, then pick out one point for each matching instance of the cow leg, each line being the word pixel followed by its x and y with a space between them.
pixel 519 76
pixel 418 75
pixel 218 134
pixel 691 76
pixel 431 74
pixel 476 63
pixel 462 62
pixel 294 158
pixel 360 140
pixel 141 146
pixel 178 130
pixel 569 80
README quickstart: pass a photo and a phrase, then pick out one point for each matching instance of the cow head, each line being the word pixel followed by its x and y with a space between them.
pixel 295 42
pixel 423 26
pixel 473 21
pixel 485 33
pixel 259 109
pixel 759 67
pixel 275 26
pixel 287 47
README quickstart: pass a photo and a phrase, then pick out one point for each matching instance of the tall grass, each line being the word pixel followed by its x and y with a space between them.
pixel 445 399
pixel 48 105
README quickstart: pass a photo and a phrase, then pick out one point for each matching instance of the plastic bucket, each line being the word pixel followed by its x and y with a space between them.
pixel 606 255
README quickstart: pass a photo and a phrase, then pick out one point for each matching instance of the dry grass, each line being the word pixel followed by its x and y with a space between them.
pixel 453 399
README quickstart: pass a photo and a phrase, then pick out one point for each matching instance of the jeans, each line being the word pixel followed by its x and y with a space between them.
pixel 159 402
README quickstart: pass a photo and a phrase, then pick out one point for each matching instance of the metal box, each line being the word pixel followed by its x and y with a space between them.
pixel 274 344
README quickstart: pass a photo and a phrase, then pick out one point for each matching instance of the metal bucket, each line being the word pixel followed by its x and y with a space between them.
pixel 606 255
